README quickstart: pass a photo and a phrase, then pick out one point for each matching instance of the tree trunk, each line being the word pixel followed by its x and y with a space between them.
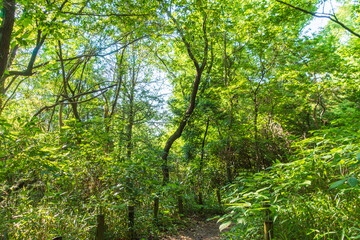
pixel 256 113
pixel 181 127
pixel 5 39
pixel 100 229
pixel 199 70
pixel 156 208
pixel 200 177
pixel 5 33
pixel 74 107
pixel 131 219
pixel 131 117
pixel 61 123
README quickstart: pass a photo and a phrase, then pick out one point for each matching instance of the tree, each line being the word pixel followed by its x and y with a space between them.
pixel 199 68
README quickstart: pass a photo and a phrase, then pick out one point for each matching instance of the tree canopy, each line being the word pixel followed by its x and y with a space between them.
pixel 120 119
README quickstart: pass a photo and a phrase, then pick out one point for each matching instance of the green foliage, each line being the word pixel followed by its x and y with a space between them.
pixel 314 196
pixel 86 110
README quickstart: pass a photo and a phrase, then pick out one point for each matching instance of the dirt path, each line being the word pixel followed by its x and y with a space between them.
pixel 198 230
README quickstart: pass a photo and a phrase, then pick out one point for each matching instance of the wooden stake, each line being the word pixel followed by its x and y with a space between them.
pixel 180 205
pixel 268 230
pixel 218 195
pixel 156 208
pixel 268 223
pixel 100 229
pixel 131 216
pixel 200 199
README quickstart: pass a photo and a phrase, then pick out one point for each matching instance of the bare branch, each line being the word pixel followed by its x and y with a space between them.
pixel 10 83
pixel 331 17
pixel 7 100
pixel 105 15
pixel 163 62
pixel 118 86
pixel 63 101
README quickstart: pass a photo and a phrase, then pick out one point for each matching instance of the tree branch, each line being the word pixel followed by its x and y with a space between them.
pixel 118 87
pixel 105 15
pixel 331 17
pixel 39 43
pixel 66 99
pixel 166 67
pixel 7 100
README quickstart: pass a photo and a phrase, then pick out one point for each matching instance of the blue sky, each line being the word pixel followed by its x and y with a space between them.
pixel 317 24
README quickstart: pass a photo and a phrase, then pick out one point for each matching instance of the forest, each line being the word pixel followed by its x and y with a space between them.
pixel 124 119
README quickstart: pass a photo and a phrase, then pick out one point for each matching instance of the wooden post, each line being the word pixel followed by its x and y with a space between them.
pixel 218 195
pixel 100 229
pixel 156 208
pixel 200 198
pixel 268 223
pixel 131 217
pixel 57 238
pixel 180 205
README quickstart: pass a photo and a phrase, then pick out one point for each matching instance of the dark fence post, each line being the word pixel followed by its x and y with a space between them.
pixel 218 196
pixel 100 229
pixel 131 217
pixel 156 208
pixel 200 198
pixel 268 223
pixel 180 205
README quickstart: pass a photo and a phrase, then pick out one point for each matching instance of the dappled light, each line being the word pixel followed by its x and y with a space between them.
pixel 179 120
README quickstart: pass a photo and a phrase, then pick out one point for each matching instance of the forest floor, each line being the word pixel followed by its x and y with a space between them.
pixel 198 229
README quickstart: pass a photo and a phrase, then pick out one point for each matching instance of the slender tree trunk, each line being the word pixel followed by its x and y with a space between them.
pixel 200 177
pixel 228 164
pixel 122 140
pixel 225 63
pixel 228 150
pixel 61 123
pixel 180 128
pixel 256 114
pixel 66 85
pixel 2 95
pixel 108 119
pixel 51 118
pixel 199 71
pixel 203 146
pixel 315 111
pixel 130 125
pixel 74 107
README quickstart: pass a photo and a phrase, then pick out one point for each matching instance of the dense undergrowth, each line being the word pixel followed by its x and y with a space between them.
pixel 56 185
pixel 315 195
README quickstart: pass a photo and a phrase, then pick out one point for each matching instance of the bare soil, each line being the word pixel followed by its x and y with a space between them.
pixel 198 229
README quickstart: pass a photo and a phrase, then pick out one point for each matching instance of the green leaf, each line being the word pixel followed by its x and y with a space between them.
pixel 224 225
pixel 26 22
pixel 353 182
pixel 337 184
